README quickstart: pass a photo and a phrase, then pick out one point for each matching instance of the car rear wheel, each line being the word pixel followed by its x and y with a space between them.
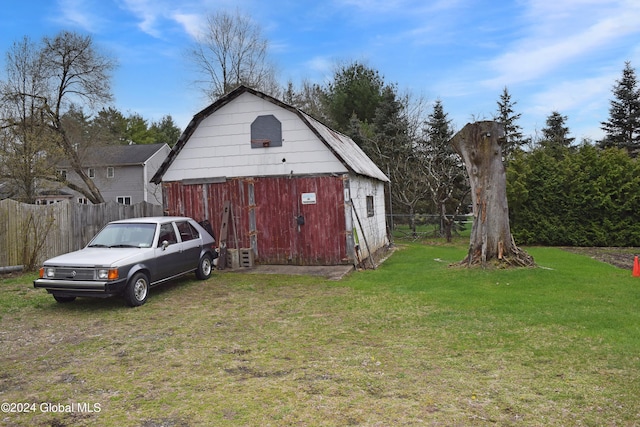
pixel 62 299
pixel 136 292
pixel 204 268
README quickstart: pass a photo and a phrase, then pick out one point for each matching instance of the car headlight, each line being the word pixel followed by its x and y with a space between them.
pixel 50 272
pixel 107 273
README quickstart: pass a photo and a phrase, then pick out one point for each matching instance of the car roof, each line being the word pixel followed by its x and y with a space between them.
pixel 151 219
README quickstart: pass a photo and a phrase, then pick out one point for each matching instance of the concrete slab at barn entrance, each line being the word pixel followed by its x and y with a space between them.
pixel 331 272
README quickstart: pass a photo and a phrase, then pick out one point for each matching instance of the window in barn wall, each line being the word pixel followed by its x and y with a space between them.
pixel 266 131
pixel 370 211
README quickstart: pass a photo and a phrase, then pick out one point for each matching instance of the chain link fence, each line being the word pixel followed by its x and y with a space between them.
pixel 426 226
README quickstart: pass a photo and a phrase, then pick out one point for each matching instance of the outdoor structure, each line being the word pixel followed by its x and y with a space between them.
pixel 295 191
pixel 122 173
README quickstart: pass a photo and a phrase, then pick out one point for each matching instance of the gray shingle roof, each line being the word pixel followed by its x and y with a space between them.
pixel 118 155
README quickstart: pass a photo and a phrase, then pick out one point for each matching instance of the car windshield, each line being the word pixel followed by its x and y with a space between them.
pixel 128 235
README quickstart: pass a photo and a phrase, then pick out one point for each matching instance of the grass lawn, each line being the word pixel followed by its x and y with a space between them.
pixel 414 342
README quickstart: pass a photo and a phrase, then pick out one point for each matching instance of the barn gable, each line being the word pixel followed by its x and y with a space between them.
pixel 218 143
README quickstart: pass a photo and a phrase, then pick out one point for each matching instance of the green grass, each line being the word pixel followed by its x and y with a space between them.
pixel 415 342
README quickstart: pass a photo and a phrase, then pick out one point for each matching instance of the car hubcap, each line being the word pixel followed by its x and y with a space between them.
pixel 140 289
pixel 206 266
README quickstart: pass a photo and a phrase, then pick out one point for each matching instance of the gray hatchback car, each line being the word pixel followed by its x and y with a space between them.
pixel 129 256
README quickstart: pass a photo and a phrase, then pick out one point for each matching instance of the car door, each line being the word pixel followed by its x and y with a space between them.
pixel 169 259
pixel 191 245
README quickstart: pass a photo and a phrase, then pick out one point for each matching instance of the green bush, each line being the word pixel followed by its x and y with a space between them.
pixel 586 197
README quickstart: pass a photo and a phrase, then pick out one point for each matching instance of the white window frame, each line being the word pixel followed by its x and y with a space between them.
pixel 91 173
pixel 111 172
pixel 123 200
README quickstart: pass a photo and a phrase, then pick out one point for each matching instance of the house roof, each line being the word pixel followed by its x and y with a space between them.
pixel 343 147
pixel 118 155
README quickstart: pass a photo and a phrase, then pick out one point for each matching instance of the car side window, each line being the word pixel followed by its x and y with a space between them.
pixel 187 231
pixel 167 233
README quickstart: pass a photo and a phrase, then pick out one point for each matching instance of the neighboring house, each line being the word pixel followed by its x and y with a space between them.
pixel 122 173
pixel 300 193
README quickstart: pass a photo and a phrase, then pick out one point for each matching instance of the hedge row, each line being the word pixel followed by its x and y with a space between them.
pixel 580 197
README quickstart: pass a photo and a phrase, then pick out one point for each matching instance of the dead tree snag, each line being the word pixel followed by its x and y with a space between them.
pixel 479 145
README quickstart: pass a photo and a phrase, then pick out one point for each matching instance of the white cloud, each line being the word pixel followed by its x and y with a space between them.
pixel 192 23
pixel 147 11
pixel 560 33
pixel 76 13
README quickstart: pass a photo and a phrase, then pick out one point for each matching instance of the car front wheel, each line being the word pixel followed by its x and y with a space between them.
pixel 204 268
pixel 136 292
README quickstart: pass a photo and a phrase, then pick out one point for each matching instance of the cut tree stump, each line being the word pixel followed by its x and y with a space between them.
pixel 479 145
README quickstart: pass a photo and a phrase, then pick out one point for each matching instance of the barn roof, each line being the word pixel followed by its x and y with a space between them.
pixel 343 147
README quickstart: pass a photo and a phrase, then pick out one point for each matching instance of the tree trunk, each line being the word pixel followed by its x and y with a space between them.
pixel 479 145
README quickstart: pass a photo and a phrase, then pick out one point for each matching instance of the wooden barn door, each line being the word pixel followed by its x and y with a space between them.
pixel 300 220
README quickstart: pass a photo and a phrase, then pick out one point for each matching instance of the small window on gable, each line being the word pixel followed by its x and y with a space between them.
pixel 110 172
pixel 266 131
pixel 91 172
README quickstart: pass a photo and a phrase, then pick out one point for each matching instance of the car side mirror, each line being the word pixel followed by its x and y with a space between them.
pixel 165 243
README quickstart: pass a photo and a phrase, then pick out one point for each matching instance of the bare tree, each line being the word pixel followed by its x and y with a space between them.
pixel 75 73
pixel 44 82
pixel 479 144
pixel 232 52
pixel 25 137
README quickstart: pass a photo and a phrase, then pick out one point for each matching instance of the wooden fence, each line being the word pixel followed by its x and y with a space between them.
pixel 30 234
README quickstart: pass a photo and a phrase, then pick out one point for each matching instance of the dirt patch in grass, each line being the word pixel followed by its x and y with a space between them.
pixel 619 257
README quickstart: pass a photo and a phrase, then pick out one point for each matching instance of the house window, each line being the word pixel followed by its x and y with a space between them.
pixel 83 201
pixel 370 211
pixel 62 174
pixel 266 131
pixel 111 172
pixel 125 200
pixel 91 172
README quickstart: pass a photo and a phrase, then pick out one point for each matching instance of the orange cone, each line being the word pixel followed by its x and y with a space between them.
pixel 636 267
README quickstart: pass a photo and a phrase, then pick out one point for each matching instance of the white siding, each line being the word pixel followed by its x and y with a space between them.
pixel 372 228
pixel 221 146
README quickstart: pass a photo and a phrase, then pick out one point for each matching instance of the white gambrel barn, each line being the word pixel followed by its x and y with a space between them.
pixel 300 192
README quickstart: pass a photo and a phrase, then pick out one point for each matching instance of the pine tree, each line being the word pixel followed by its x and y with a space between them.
pixel 556 135
pixel 623 127
pixel 446 176
pixel 508 119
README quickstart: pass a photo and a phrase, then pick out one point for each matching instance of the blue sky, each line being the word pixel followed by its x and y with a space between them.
pixel 562 55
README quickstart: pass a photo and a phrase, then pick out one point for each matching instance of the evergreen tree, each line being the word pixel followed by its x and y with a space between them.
pixel 165 131
pixel 556 135
pixel 623 127
pixel 355 90
pixel 506 116
pixel 446 180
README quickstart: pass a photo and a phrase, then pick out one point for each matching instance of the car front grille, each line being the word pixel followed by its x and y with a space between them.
pixel 74 273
